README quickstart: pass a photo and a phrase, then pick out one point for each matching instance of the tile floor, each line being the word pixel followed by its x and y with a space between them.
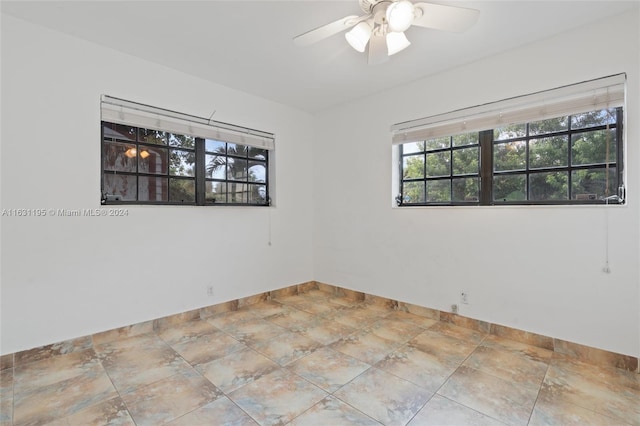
pixel 314 359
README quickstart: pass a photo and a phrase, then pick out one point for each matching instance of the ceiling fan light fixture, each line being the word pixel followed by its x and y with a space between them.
pixel 400 15
pixel 396 42
pixel 359 36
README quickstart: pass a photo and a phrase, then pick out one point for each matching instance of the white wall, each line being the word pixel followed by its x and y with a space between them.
pixel 65 277
pixel 533 268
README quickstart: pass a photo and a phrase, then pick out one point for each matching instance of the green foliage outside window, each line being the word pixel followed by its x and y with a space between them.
pixel 570 158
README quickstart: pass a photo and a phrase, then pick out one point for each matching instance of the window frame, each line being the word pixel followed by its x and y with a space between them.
pixel 487 172
pixel 200 178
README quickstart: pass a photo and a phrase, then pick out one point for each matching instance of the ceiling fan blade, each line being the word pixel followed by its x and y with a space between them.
pixel 327 30
pixel 378 49
pixel 445 18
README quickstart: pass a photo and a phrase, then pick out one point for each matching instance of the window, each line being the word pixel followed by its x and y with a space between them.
pixel 571 158
pixel 441 170
pixel 236 174
pixel 207 165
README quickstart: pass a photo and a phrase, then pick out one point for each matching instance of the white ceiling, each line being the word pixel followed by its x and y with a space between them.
pixel 247 45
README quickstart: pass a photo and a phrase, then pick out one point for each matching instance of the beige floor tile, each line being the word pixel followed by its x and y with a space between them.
pixel 207 347
pixel 612 377
pixel 366 347
pixel 187 330
pixel 508 365
pixel 418 320
pixel 332 411
pixel 170 398
pixel 420 368
pixel 531 352
pixel 325 331
pixel 277 398
pixel 440 411
pixel 264 309
pixel 38 405
pixel 237 369
pixel 219 412
pixel 287 347
pixel 255 331
pixel 384 397
pixel 358 317
pixel 6 396
pixel 458 332
pixel 449 350
pixel 231 318
pixel 587 391
pixel 494 397
pixel 291 318
pixel 112 412
pixel 140 360
pixel 328 369
pixel 52 370
pixel 394 329
pixel 550 410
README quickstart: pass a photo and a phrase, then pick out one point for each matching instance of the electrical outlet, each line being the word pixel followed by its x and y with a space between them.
pixel 464 298
pixel 210 290
pixel 454 308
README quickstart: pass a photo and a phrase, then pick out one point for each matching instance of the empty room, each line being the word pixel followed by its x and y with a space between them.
pixel 354 212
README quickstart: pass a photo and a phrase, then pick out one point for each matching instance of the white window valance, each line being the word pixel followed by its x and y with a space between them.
pixel 115 110
pixel 606 92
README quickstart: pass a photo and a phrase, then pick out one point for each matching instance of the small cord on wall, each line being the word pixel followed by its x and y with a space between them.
pixel 606 269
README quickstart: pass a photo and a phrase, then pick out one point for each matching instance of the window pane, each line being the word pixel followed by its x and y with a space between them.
pixel 548 152
pixel 155 137
pixel 413 192
pixel 591 147
pixel 510 188
pixel 235 149
pixel 439 164
pixel 257 153
pixel 182 190
pixel 181 141
pixel 411 147
pixel 215 146
pixel 216 192
pixel 119 157
pixel 122 185
pixel 236 169
pixel 439 191
pixel 257 171
pixel 510 132
pixel 549 186
pixel 466 139
pixel 594 118
pixel 152 189
pixel 509 156
pixel 216 166
pixel 465 161
pixel 257 194
pixel 112 131
pixel 466 189
pixel 183 163
pixel 237 192
pixel 551 125
pixel 590 184
pixel 438 143
pixel 153 160
pixel 413 167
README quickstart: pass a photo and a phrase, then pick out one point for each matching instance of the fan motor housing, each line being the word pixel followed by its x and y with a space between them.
pixel 368 6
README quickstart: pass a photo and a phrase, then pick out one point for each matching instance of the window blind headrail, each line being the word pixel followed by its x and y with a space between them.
pixel 607 92
pixel 121 111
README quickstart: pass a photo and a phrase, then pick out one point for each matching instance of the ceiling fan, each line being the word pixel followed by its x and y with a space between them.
pixel 384 23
